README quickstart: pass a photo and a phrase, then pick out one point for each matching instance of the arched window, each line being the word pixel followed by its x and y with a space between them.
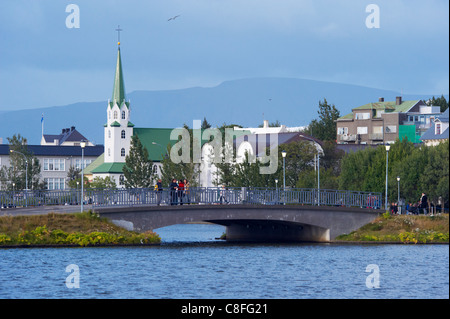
pixel 109 133
pixel 109 114
pixel 122 134
pixel 115 115
pixel 122 152
pixel 109 152
pixel 123 115
pixel 121 180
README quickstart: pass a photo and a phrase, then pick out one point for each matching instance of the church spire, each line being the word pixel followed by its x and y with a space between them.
pixel 118 95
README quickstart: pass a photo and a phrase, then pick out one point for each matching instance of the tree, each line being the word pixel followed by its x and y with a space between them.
pixel 22 167
pixel 324 128
pixel 299 158
pixel 138 168
pixel 188 171
pixel 205 124
pixel 440 101
pixel 107 182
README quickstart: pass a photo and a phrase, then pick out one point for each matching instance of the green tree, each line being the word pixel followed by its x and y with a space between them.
pixel 205 124
pixel 435 181
pixel 107 182
pixel 324 128
pixel 22 167
pixel 440 101
pixel 138 168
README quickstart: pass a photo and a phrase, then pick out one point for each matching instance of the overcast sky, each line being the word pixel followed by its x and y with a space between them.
pixel 45 63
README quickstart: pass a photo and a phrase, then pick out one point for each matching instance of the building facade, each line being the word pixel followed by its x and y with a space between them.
pixel 385 122
pixel 55 162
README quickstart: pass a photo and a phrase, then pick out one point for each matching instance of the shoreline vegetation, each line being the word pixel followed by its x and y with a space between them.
pixel 68 230
pixel 88 230
pixel 401 229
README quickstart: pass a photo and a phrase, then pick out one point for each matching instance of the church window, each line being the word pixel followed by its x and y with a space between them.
pixel 123 115
pixel 115 115
pixel 109 133
pixel 121 180
pixel 109 152
pixel 122 134
pixel 109 114
pixel 122 152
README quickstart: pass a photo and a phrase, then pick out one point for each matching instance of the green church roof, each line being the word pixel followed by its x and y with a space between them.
pixel 108 168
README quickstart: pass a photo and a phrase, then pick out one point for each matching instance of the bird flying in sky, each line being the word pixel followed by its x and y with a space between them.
pixel 173 18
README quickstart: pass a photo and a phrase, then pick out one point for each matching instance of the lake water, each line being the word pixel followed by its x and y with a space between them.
pixel 190 263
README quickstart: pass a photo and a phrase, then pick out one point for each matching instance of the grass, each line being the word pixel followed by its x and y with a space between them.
pixel 79 229
pixel 403 229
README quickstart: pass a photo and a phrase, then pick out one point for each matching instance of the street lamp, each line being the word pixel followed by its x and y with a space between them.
pixel 387 165
pixel 83 145
pixel 318 165
pixel 283 153
pixel 398 194
pixel 26 167
pixel 276 188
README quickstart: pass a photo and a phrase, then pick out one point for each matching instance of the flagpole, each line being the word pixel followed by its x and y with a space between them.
pixel 42 124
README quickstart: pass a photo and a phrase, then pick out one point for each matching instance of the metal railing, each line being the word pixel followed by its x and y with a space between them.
pixel 195 195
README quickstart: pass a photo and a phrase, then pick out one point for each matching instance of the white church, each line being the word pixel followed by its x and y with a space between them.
pixel 119 129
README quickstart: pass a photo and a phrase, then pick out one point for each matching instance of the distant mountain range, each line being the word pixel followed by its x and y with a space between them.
pixel 293 102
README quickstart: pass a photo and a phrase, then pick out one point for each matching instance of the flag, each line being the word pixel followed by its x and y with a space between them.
pixel 42 118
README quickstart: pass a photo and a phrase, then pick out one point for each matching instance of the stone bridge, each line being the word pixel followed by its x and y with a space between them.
pixel 249 222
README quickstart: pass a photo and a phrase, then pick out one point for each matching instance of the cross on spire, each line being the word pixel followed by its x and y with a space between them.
pixel 118 34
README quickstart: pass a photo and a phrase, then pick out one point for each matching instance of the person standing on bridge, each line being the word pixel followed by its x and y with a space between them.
pixel 159 190
pixel 186 191
pixel 181 191
pixel 173 192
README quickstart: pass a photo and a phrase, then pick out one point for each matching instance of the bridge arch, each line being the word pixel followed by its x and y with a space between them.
pixel 249 222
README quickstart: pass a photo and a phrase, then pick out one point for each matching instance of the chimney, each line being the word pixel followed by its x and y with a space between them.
pixel 72 128
pixel 381 99
pixel 266 124
pixel 398 100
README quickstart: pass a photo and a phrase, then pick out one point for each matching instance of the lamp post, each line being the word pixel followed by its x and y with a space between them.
pixel 387 165
pixel 398 194
pixel 26 167
pixel 276 188
pixel 318 165
pixel 283 153
pixel 26 175
pixel 83 145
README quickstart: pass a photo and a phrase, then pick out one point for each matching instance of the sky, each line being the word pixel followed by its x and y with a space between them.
pixel 45 61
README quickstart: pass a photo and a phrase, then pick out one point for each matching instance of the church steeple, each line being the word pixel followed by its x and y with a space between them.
pixel 118 95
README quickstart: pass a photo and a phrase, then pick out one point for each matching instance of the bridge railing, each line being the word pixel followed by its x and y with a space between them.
pixel 195 195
